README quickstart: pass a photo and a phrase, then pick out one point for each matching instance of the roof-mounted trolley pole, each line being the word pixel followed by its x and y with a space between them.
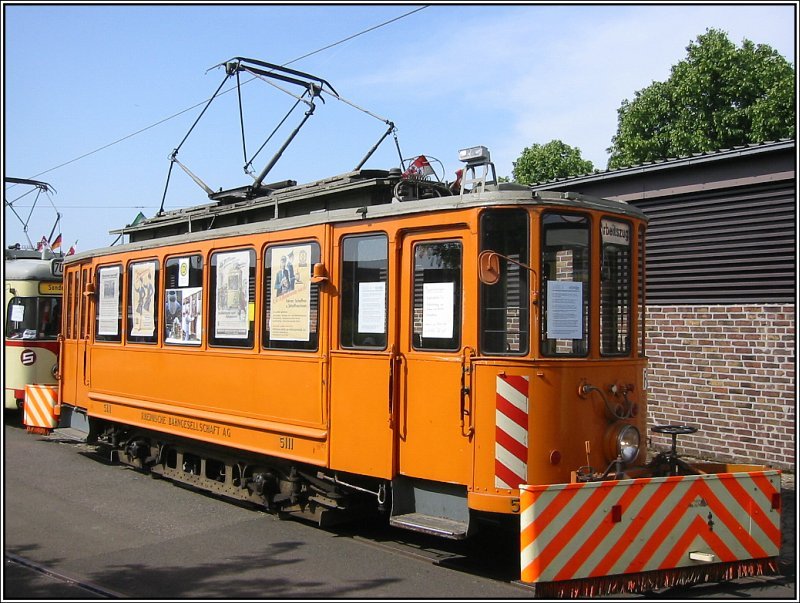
pixel 40 187
pixel 313 85
pixel 313 88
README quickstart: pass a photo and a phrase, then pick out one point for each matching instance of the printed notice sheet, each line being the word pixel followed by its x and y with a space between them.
pixel 564 310
pixel 372 307
pixel 437 310
pixel 17 313
pixel 108 304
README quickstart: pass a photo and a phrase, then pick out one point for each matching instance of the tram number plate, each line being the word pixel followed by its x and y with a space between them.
pixel 287 443
pixel 106 408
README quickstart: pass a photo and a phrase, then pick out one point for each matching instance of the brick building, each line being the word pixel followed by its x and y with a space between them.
pixel 720 296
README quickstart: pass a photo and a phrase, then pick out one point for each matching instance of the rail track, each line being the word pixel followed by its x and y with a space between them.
pixel 494 557
pixel 82 586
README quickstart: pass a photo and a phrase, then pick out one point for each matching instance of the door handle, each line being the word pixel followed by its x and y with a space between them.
pixel 393 359
pixel 467 426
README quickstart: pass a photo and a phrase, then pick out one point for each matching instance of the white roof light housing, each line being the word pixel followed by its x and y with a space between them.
pixel 478 154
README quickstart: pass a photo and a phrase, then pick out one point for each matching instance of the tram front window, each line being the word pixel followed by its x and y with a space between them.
pixel 615 288
pixel 33 318
pixel 505 315
pixel 566 262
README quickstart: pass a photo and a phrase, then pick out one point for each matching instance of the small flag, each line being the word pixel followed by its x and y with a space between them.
pixel 57 243
pixel 419 167
pixel 42 245
pixel 72 248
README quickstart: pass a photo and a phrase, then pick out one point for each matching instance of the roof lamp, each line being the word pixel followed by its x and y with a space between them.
pixel 474 155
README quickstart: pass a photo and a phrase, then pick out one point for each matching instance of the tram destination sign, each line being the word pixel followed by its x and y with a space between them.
pixel 51 288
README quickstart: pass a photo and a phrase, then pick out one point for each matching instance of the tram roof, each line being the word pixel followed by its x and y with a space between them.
pixel 355 196
pixel 25 265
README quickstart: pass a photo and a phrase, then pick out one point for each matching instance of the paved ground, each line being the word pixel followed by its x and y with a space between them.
pixel 107 530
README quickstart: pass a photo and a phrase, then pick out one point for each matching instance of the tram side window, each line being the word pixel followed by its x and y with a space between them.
pixel 183 308
pixel 615 288
pixel 505 315
pixel 364 292
pixel 437 296
pixel 232 298
pixel 291 300
pixel 143 302
pixel 49 317
pixel 108 325
pixel 566 263
pixel 33 318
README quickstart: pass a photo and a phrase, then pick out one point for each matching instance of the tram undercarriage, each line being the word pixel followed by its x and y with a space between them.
pixel 280 486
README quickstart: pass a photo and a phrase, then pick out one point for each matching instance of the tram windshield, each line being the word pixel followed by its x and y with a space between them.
pixel 505 317
pixel 616 280
pixel 566 262
pixel 33 318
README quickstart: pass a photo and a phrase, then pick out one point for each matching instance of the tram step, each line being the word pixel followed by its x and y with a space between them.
pixel 70 433
pixel 438 526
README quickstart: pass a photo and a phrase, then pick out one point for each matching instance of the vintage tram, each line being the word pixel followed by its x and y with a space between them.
pixel 33 286
pixel 455 355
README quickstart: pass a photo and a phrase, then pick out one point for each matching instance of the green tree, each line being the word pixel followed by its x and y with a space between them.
pixel 719 97
pixel 545 162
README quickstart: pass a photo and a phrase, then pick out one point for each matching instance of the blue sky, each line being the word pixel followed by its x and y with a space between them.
pixel 80 77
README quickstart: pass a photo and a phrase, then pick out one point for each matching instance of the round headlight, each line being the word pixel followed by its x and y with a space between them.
pixel 628 440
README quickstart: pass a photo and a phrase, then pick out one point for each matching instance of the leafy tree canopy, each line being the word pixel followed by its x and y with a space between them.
pixel 545 162
pixel 719 97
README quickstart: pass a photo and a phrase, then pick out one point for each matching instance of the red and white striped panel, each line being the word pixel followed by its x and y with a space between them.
pixel 591 530
pixel 39 407
pixel 511 432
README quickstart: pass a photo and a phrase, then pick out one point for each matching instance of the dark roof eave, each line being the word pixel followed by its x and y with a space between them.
pixel 668 164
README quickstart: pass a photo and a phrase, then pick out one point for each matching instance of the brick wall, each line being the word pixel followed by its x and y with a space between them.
pixel 728 370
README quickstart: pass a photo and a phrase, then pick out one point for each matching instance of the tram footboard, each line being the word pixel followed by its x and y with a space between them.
pixel 634 535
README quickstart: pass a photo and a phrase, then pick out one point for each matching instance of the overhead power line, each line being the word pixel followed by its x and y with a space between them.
pixel 179 113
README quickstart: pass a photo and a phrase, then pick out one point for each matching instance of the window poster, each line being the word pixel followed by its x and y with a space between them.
pixel 184 315
pixel 143 279
pixel 233 292
pixel 564 310
pixel 290 294
pixel 438 301
pixel 183 272
pixel 108 304
pixel 17 313
pixel 372 307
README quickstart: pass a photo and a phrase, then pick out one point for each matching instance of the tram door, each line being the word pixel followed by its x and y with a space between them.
pixel 434 440
pixel 363 357
pixel 75 331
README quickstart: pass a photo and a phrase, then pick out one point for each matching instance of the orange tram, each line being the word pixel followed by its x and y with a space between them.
pixel 456 356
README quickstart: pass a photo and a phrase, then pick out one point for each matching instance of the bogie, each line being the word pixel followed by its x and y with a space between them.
pixel 277 485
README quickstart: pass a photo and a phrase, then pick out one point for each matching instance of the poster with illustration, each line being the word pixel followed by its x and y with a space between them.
pixel 232 288
pixel 108 304
pixel 290 294
pixel 184 315
pixel 143 279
